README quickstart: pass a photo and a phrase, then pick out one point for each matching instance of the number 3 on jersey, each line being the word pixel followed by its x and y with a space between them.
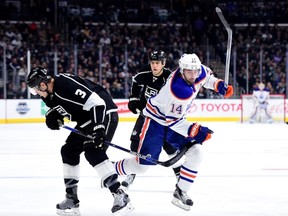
pixel 81 93
pixel 176 109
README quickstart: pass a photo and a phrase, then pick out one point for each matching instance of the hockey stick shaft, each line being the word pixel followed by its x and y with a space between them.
pixel 167 163
pixel 229 42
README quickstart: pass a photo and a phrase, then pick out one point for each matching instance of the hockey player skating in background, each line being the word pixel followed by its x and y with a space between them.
pixel 261 97
pixel 146 84
pixel 91 106
pixel 165 120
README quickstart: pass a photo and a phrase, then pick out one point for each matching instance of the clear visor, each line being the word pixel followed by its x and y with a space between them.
pixel 33 90
pixel 192 72
pixel 186 65
pixel 194 67
pixel 190 66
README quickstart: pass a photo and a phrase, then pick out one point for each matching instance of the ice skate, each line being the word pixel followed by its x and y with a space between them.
pixel 128 181
pixel 122 204
pixel 69 206
pixel 181 199
pixel 270 121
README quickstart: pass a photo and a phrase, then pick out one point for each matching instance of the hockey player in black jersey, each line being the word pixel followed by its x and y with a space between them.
pixel 144 85
pixel 92 108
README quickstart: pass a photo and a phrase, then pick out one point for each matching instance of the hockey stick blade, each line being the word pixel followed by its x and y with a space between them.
pixel 167 163
pixel 229 42
pixel 178 156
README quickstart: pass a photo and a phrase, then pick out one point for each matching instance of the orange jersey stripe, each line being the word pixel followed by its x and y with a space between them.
pixel 142 134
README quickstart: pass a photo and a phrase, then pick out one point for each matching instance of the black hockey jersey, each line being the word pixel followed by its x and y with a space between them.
pixel 72 98
pixel 145 85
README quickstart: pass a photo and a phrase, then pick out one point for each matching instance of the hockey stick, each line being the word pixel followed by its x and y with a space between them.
pixel 167 163
pixel 229 42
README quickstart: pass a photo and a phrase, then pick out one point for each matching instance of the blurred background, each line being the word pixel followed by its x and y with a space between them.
pixel 109 41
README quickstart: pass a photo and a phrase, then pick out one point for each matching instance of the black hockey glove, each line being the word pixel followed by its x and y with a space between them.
pixel 133 104
pixel 97 133
pixel 54 120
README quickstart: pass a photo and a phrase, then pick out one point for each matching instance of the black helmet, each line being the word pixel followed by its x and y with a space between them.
pixel 157 56
pixel 36 76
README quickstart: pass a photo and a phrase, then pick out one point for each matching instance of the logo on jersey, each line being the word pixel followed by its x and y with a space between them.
pixel 63 112
pixel 194 129
pixel 150 92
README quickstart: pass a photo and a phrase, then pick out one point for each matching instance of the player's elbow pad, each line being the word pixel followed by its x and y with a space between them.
pixel 97 114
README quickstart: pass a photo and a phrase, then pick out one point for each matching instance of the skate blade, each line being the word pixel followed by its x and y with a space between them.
pixel 179 204
pixel 68 212
pixel 124 211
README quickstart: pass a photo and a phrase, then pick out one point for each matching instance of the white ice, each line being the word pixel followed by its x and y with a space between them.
pixel 244 173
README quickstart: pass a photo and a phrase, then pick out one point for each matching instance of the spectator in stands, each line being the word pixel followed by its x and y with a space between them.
pixel 43 39
pixel 117 90
pixel 11 93
pixel 22 93
pixel 281 87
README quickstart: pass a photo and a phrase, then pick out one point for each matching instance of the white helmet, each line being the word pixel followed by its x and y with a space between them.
pixel 190 61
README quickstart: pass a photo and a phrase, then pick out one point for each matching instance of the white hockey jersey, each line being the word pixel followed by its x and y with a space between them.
pixel 261 96
pixel 170 105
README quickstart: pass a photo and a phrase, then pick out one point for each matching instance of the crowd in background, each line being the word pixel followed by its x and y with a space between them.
pixel 174 26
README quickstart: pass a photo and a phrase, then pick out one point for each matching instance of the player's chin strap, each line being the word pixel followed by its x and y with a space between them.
pixel 167 163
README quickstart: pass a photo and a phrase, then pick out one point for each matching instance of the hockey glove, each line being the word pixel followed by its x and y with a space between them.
pixel 225 89
pixel 98 135
pixel 199 133
pixel 133 104
pixel 54 120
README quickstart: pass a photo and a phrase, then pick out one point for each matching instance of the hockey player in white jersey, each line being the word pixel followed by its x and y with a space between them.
pixel 146 84
pixel 165 121
pixel 260 111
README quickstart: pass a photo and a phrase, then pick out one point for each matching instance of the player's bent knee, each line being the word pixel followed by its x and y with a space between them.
pixel 134 145
pixel 95 156
pixel 142 168
pixel 194 155
pixel 68 157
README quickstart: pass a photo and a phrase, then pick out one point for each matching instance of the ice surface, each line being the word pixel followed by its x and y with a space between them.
pixel 245 172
